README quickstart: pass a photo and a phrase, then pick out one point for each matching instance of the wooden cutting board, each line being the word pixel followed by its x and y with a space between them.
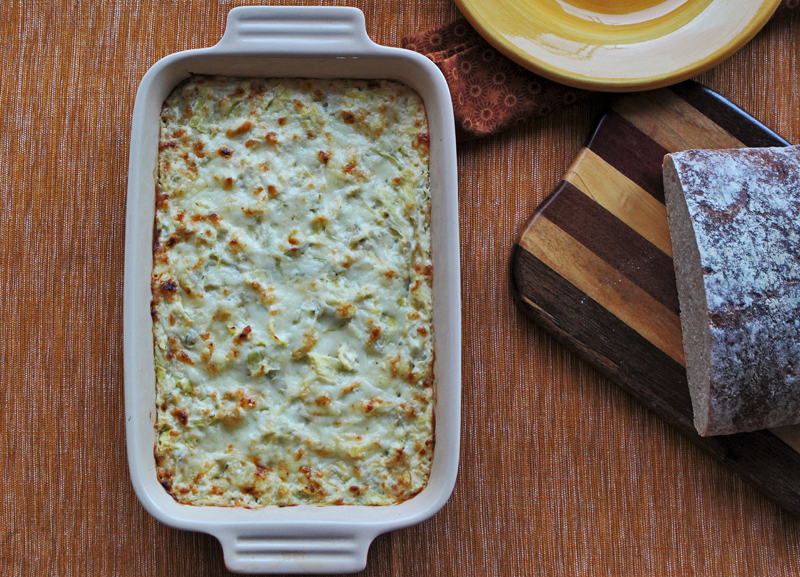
pixel 594 266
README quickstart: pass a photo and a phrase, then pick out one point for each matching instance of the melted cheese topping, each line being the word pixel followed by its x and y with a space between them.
pixel 292 293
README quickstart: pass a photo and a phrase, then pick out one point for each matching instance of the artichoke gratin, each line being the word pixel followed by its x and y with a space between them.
pixel 292 299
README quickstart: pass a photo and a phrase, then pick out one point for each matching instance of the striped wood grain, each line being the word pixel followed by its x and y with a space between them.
pixel 594 266
pixel 622 197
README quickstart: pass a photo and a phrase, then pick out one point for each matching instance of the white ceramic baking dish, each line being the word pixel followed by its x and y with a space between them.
pixel 327 42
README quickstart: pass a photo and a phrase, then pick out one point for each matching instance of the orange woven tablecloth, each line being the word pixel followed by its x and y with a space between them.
pixel 561 472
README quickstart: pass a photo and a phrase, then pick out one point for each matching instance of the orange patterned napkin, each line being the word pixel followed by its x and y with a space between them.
pixel 490 92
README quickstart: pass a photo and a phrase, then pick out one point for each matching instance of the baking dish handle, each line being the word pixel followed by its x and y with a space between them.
pixel 292 30
pixel 310 549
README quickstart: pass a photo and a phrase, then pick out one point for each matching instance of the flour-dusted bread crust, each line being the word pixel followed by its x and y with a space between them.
pixel 734 219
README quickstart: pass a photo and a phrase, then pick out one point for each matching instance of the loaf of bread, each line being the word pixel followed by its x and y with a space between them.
pixel 734 220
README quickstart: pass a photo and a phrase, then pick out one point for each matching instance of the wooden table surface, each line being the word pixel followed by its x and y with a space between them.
pixel 561 472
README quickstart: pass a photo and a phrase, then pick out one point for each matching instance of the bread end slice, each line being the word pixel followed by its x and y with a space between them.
pixel 733 218
pixel 691 296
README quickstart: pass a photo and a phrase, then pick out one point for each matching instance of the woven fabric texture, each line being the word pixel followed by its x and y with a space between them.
pixel 490 92
pixel 562 474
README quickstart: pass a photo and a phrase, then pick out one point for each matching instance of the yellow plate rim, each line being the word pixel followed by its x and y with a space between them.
pixel 603 84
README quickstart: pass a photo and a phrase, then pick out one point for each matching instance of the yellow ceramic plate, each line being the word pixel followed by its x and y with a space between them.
pixel 618 45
